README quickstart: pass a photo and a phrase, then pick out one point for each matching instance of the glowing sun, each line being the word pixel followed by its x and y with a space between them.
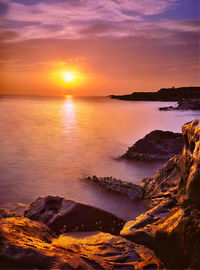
pixel 68 76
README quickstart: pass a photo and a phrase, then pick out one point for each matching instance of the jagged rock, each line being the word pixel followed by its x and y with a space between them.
pixel 26 244
pixel 189 165
pixel 179 178
pixel 174 234
pixel 62 215
pixel 183 105
pixel 131 190
pixel 157 145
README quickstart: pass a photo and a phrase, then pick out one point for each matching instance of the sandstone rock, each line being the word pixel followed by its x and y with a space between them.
pixel 157 145
pixel 179 235
pixel 62 215
pixel 26 244
pixel 131 190
pixel 140 230
pixel 189 164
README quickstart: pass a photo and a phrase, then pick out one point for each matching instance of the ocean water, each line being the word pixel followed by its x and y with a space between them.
pixel 48 144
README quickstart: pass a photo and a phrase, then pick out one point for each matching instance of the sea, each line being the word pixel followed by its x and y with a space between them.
pixel 48 144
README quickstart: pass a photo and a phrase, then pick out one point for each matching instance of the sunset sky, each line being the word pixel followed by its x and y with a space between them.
pixel 106 46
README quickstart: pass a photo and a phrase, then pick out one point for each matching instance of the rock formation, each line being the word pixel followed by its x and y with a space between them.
pixel 62 215
pixel 157 145
pixel 183 105
pixel 166 236
pixel 117 185
pixel 26 244
pixel 173 234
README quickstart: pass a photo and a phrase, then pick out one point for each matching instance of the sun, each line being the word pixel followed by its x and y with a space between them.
pixel 68 76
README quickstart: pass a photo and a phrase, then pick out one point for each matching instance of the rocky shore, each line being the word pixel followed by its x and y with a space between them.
pixel 164 94
pixel 56 233
pixel 184 105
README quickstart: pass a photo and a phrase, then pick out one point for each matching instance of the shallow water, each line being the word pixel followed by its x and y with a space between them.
pixel 48 144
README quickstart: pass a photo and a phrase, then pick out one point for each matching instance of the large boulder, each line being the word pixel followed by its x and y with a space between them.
pixel 62 215
pixel 157 145
pixel 25 244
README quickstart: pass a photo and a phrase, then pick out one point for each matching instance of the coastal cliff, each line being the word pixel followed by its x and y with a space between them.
pixel 56 233
pixel 164 94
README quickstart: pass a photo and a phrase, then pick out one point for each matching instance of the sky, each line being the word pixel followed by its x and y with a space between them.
pixel 110 46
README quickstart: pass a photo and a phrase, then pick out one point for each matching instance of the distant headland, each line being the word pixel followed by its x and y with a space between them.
pixel 164 94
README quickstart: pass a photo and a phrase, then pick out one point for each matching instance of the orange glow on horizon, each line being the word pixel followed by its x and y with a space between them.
pixel 70 81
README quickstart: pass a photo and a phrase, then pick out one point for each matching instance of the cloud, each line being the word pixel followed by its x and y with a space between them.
pixel 73 18
pixel 8 36
pixel 147 7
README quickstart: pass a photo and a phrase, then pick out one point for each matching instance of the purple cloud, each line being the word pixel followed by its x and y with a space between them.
pixel 72 18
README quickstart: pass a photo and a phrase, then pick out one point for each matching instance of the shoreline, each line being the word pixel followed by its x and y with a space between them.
pixel 168 229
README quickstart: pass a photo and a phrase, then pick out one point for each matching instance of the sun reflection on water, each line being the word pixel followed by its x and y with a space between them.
pixel 69 111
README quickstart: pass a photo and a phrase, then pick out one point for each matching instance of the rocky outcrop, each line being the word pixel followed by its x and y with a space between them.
pixel 157 145
pixel 179 235
pixel 131 190
pixel 180 175
pixel 183 105
pixel 62 215
pixel 26 244
pixel 172 227
pixel 164 94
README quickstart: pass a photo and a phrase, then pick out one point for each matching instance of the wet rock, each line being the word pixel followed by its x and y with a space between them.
pixel 157 145
pixel 26 244
pixel 62 215
pixel 131 190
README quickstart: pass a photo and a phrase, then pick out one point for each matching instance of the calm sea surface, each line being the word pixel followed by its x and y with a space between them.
pixel 46 145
